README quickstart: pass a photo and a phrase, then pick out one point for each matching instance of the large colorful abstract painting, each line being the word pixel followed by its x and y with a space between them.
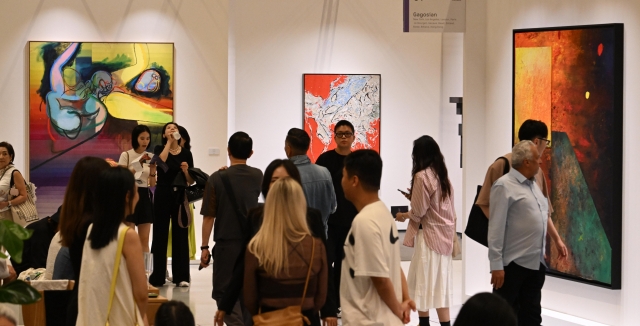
pixel 571 78
pixel 84 100
pixel 331 98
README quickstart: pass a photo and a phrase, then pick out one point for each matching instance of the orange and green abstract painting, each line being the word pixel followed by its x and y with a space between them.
pixel 85 99
pixel 571 79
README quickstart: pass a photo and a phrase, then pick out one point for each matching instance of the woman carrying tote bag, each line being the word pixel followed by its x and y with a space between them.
pixel 7 170
pixel 113 285
pixel 283 258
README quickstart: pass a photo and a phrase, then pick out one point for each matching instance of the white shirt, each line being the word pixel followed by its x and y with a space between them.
pixel 143 179
pixel 518 222
pixel 371 250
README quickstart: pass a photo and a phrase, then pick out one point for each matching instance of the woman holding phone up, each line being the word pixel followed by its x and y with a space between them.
pixel 137 160
pixel 172 160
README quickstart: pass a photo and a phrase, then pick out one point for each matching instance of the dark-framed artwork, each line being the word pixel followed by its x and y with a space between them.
pixel 84 100
pixel 329 98
pixel 571 78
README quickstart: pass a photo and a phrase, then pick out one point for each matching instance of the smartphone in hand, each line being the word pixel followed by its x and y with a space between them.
pixel 208 262
pixel 398 209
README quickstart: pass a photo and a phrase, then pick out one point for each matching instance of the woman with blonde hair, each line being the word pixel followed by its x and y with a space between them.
pixel 279 257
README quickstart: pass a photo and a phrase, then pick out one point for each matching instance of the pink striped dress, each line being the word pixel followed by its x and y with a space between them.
pixel 437 216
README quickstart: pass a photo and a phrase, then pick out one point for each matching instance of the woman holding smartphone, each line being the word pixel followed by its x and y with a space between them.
pixel 432 221
pixel 172 160
pixel 137 160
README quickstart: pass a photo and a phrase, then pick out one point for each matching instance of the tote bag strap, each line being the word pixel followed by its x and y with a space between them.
pixel 306 284
pixel 116 267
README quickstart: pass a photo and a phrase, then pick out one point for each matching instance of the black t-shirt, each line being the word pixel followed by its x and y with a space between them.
pixel 173 162
pixel 346 212
pixel 36 248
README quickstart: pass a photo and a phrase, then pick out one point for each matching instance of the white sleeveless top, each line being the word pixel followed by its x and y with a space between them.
pixel 95 284
pixel 5 181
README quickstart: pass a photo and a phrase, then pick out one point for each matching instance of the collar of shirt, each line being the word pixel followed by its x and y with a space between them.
pixel 520 177
pixel 300 159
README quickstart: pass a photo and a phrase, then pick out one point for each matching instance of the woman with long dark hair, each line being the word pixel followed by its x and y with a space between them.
pixel 137 160
pixel 431 228
pixel 113 285
pixel 173 160
pixel 76 216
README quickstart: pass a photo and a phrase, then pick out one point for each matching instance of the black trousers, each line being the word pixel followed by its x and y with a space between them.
pixel 225 255
pixel 522 289
pixel 166 210
pixel 335 253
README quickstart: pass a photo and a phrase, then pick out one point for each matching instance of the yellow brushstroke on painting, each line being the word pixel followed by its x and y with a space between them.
pixel 532 98
pixel 587 95
pixel 139 64
pixel 123 106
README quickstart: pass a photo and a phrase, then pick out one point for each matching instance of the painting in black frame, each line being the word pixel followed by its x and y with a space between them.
pixel 571 78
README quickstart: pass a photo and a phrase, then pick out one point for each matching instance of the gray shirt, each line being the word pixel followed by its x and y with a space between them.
pixel 517 222
pixel 317 186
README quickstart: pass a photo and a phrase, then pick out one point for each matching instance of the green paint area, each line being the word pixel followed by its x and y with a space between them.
pixel 576 217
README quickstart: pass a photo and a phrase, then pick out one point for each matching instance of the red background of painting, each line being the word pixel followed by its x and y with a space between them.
pixel 320 85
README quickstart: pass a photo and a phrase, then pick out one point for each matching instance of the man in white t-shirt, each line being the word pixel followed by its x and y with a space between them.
pixel 373 290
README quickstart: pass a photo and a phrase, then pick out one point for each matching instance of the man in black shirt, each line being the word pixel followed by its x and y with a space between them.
pixel 340 221
pixel 230 229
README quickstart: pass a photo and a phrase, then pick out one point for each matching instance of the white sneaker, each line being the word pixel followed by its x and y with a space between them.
pixel 183 284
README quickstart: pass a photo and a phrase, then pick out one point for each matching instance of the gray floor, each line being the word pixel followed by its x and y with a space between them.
pixel 198 297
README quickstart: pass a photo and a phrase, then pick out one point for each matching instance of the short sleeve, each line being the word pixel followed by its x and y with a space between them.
pixel 368 246
pixel 209 199
pixel 123 159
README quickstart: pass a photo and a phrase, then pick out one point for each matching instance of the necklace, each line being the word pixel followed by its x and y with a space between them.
pixel 175 151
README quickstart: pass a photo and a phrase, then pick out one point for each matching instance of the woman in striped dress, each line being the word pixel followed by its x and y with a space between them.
pixel 431 229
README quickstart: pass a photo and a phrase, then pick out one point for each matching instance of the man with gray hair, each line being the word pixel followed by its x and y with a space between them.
pixel 517 235
pixel 7 317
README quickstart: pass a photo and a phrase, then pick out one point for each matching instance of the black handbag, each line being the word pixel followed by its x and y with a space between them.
pixel 194 192
pixel 478 224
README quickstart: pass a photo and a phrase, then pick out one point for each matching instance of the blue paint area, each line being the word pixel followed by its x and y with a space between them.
pixel 343 93
pixel 575 215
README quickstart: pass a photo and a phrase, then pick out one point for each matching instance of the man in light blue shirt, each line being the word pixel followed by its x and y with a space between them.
pixel 316 180
pixel 517 235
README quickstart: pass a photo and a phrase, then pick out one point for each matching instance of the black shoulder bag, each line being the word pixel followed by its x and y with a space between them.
pixel 478 223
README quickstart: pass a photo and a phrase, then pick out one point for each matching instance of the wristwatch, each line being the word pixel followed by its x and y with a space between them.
pixel 204 247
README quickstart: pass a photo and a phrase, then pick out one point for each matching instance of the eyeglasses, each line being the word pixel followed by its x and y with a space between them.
pixel 344 134
pixel 546 141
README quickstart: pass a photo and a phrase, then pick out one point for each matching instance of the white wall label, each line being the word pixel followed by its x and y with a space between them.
pixel 434 16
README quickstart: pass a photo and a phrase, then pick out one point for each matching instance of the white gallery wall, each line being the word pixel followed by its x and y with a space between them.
pixel 277 41
pixel 487 127
pixel 199 30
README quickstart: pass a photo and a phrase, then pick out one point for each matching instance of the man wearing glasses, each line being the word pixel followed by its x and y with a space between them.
pixel 340 221
pixel 537 132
